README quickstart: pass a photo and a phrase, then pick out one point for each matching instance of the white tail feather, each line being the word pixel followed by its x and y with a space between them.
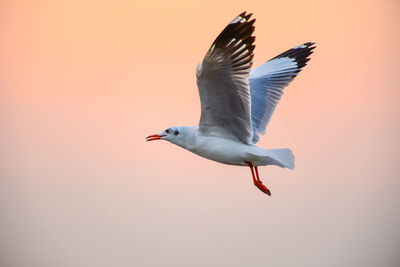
pixel 283 156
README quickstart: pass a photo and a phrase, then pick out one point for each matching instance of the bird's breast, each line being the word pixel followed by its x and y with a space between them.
pixel 220 150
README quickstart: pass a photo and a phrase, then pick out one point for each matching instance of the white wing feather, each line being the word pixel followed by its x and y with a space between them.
pixel 222 79
pixel 268 81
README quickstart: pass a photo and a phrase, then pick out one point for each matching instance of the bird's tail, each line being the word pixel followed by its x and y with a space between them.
pixel 284 156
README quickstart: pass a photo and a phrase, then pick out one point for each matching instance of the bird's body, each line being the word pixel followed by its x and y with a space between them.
pixel 229 151
pixel 237 102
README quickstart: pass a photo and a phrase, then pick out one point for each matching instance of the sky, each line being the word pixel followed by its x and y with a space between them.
pixel 82 83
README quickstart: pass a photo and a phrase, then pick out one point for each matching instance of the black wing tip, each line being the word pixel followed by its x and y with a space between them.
pixel 303 56
pixel 299 53
pixel 241 27
pixel 237 33
pixel 243 15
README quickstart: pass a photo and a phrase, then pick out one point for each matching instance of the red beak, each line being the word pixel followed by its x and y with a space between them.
pixel 154 137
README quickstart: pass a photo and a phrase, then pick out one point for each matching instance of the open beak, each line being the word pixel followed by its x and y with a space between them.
pixel 154 137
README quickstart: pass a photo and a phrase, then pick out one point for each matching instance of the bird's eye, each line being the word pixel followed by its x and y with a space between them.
pixel 167 131
pixel 176 132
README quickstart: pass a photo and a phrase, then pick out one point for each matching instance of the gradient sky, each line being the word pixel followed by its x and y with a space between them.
pixel 82 83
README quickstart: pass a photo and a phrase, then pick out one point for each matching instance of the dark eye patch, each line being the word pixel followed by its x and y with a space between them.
pixel 167 131
pixel 176 132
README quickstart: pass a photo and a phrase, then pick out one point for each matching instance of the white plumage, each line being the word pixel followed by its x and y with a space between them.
pixel 237 103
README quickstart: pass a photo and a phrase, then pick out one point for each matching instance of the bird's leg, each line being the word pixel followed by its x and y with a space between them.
pixel 252 172
pixel 260 184
pixel 258 177
pixel 257 182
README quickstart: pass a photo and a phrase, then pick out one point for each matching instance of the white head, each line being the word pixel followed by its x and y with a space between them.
pixel 176 135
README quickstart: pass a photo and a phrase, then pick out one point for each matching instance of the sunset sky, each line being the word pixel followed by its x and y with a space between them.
pixel 82 83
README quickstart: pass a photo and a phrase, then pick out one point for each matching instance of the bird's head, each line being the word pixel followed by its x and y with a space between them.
pixel 173 134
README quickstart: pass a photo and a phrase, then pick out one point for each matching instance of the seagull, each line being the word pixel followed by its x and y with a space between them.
pixel 237 103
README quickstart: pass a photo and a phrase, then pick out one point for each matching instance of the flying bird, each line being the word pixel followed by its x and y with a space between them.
pixel 237 103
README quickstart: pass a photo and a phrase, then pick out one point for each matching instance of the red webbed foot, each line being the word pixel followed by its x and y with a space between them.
pixel 257 181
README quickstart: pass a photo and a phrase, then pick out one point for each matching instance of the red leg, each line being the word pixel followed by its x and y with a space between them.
pixel 260 184
pixel 258 177
pixel 252 172
pixel 257 182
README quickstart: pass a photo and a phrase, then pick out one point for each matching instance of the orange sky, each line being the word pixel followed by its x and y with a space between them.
pixel 83 83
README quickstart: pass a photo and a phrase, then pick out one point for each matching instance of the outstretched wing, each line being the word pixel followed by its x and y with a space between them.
pixel 222 79
pixel 268 81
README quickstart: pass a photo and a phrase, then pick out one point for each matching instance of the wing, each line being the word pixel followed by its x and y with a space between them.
pixel 222 79
pixel 268 81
